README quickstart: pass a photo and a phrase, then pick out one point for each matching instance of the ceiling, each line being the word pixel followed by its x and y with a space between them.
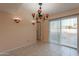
pixel 50 8
pixel 9 7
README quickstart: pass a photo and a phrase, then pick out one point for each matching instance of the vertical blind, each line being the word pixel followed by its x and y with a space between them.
pixel 64 31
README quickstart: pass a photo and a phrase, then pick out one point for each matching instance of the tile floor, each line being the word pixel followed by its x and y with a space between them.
pixel 43 49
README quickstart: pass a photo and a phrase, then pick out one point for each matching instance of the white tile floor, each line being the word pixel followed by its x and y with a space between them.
pixel 43 49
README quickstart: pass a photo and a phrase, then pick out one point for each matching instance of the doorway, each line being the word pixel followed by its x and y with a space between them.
pixel 64 31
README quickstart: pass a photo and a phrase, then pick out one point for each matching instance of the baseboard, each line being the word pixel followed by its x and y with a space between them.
pixel 5 51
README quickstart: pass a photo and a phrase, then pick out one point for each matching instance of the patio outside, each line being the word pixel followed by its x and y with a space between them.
pixel 64 32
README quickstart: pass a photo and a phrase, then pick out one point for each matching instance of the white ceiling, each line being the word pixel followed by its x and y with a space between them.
pixel 50 8
pixel 9 7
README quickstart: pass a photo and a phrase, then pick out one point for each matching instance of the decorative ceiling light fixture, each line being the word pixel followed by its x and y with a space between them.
pixel 17 19
pixel 39 16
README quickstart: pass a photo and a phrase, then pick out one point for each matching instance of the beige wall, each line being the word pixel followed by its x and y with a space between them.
pixel 45 31
pixel 13 35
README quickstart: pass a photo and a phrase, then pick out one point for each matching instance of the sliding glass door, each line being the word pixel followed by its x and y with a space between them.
pixel 63 31
pixel 69 32
pixel 54 31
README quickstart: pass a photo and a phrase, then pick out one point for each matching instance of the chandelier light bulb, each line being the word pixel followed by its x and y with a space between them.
pixel 47 15
pixel 33 22
pixel 33 15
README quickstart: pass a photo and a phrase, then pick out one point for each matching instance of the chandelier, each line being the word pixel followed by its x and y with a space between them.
pixel 39 16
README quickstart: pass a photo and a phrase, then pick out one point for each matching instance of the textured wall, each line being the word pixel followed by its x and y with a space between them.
pixel 13 35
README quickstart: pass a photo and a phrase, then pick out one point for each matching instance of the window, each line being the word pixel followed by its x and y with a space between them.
pixel 64 31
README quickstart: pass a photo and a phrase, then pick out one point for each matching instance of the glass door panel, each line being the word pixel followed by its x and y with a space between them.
pixel 54 31
pixel 69 32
